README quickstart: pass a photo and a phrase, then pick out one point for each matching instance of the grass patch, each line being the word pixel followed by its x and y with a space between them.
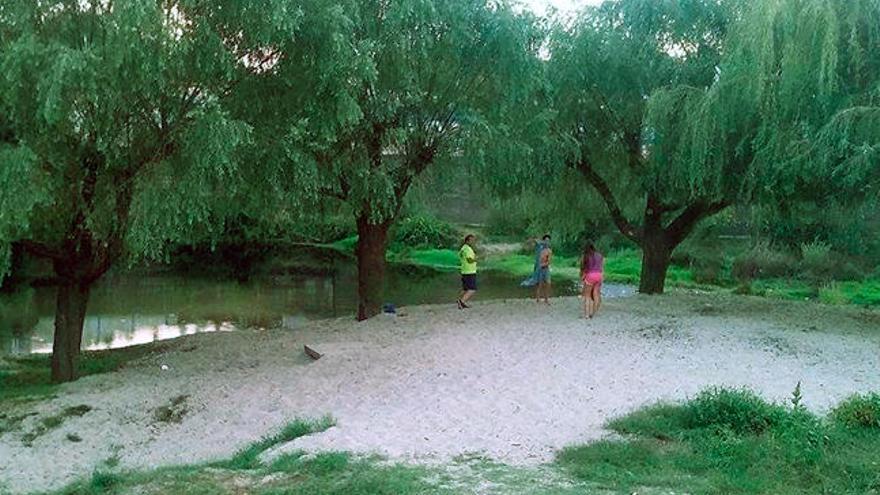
pixel 248 457
pixel 292 474
pixel 731 441
pixel 173 412
pixel 438 259
pixel 859 411
pixel 28 377
pixel 51 422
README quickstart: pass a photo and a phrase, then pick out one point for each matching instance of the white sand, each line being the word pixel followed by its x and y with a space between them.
pixel 512 380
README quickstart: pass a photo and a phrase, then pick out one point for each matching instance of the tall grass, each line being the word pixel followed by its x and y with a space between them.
pixel 731 441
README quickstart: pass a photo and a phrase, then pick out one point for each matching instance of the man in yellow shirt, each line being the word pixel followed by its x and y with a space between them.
pixel 468 259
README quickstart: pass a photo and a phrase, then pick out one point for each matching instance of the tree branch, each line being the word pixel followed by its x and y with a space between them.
pixel 682 226
pixel 599 184
pixel 41 250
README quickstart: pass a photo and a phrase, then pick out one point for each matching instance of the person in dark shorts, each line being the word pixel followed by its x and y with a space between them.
pixel 468 261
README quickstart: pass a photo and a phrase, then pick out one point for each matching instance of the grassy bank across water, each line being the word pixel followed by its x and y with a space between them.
pixel 624 267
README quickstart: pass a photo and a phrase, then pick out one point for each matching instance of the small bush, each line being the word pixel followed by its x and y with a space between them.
pixel 832 294
pixel 103 482
pixel 817 264
pixel 740 411
pixel 762 262
pixel 858 411
pixel 707 269
pixel 330 229
pixel 426 232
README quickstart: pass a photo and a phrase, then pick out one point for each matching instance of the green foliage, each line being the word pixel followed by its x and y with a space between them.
pixel 439 259
pixel 103 482
pixel 291 474
pixel 247 458
pixel 358 110
pixel 426 232
pixel 789 451
pixel 817 262
pixel 114 115
pixel 740 411
pixel 859 411
pixel 762 261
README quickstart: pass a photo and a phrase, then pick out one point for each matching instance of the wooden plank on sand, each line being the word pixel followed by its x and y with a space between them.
pixel 312 353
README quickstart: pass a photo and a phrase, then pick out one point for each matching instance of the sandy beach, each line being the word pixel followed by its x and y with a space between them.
pixel 511 380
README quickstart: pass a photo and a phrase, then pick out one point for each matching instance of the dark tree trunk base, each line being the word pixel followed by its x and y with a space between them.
pixel 70 312
pixel 656 256
pixel 372 241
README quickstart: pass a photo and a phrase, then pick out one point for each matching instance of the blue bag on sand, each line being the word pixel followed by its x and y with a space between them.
pixel 389 308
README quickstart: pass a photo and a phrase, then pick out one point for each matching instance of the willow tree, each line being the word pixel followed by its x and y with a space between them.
pixel 113 136
pixel 389 89
pixel 604 75
pixel 793 114
pixel 812 70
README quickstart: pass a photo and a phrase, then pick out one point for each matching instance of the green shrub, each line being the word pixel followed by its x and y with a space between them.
pixel 762 261
pixel 329 229
pixel 817 264
pixel 426 232
pixel 708 269
pixel 832 294
pixel 858 411
pixel 738 410
pixel 103 482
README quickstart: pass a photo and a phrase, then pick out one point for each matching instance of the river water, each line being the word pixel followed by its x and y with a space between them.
pixel 129 309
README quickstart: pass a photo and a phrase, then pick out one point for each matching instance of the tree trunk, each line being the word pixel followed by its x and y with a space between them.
pixel 70 313
pixel 372 240
pixel 656 250
pixel 656 256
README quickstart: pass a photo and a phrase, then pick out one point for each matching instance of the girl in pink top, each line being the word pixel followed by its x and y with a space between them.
pixel 592 266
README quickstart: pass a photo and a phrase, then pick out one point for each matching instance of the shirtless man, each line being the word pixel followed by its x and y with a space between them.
pixel 545 258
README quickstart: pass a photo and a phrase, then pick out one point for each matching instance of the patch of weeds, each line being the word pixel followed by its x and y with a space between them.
pixel 247 458
pixel 658 331
pixel 739 410
pixel 776 345
pixel 731 441
pixel 103 481
pixel 332 473
pixel 174 412
pixel 11 422
pixel 29 377
pixel 51 422
pixel 661 421
pixel 73 437
pixel 858 411
pixel 338 473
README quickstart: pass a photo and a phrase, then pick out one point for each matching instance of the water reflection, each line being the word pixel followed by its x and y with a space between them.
pixel 19 316
pixel 112 332
pixel 127 310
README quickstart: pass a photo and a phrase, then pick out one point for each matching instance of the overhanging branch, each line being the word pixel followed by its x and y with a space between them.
pixel 682 226
pixel 599 184
pixel 41 250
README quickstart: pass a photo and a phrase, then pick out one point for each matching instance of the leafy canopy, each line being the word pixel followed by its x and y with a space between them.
pixel 114 129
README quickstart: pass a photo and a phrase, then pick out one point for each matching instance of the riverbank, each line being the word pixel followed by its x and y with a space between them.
pixel 511 381
pixel 624 267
